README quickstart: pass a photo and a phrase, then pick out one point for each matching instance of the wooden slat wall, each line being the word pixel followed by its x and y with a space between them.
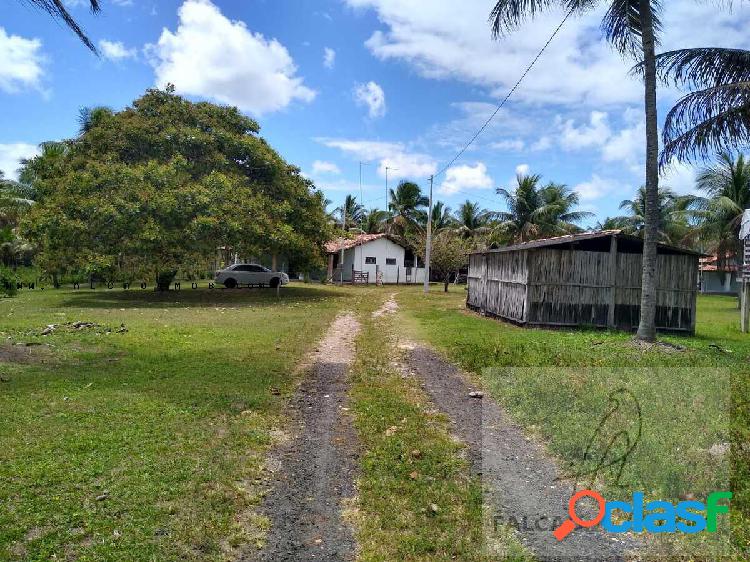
pixel 677 290
pixel 571 288
pixel 497 284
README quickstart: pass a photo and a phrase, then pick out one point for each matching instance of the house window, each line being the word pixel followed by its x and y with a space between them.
pixel 371 261
pixel 390 261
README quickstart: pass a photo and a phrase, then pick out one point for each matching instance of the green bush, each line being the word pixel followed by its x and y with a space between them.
pixel 8 280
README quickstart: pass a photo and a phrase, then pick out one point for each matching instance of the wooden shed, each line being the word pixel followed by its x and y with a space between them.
pixel 588 279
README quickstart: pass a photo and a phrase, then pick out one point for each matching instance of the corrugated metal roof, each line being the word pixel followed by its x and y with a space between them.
pixel 572 238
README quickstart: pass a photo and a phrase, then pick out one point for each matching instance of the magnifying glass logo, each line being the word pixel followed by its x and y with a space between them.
pixel 564 530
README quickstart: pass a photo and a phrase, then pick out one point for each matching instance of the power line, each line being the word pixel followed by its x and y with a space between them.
pixel 507 97
pixel 494 113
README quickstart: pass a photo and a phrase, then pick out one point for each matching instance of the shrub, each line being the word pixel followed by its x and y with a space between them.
pixel 8 280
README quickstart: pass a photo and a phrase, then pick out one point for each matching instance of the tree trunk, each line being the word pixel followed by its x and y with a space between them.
pixel 164 279
pixel 446 281
pixel 647 325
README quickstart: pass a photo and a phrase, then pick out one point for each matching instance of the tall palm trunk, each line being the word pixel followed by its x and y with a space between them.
pixel 647 325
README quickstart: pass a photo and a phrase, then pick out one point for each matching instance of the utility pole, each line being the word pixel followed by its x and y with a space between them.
pixel 361 201
pixel 385 270
pixel 341 257
pixel 428 245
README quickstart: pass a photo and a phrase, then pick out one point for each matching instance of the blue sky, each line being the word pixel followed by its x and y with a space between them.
pixel 396 83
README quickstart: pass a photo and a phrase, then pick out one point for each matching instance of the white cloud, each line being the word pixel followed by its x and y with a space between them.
pixel 544 143
pixel 625 146
pixel 628 145
pixel 322 167
pixel 21 63
pixel 598 187
pixel 680 177
pixel 461 178
pixel 210 56
pixel 448 43
pixel 116 50
pixel 512 145
pixel 522 170
pixel 473 115
pixel 11 155
pixel 402 162
pixel 372 96
pixel 329 57
pixel 593 134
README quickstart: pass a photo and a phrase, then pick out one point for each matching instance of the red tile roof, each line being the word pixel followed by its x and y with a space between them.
pixel 711 263
pixel 346 243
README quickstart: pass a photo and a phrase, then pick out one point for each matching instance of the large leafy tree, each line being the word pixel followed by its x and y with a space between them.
pixel 449 253
pixel 536 211
pixel 631 26
pixel 715 116
pixel 161 185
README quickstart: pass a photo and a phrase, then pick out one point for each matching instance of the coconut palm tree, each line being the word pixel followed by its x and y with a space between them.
pixel 560 202
pixel 374 221
pixel 36 175
pixel 613 223
pixel 715 116
pixel 524 219
pixel 407 207
pixel 471 220
pixel 674 211
pixel 13 206
pixel 441 217
pixel 727 186
pixel 57 9
pixel 352 212
pixel 535 212
pixel 631 26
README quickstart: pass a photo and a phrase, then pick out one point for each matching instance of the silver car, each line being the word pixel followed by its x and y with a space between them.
pixel 250 274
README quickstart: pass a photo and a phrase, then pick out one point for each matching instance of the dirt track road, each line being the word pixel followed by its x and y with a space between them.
pixel 314 471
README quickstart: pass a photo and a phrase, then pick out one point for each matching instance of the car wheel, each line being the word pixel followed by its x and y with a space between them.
pixel 275 282
pixel 230 283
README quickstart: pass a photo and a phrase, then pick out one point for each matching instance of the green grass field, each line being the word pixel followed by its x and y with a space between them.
pixel 144 444
pixel 416 500
pixel 139 445
pixel 556 384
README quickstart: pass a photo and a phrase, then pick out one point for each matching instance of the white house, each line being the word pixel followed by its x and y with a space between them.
pixel 719 276
pixel 373 254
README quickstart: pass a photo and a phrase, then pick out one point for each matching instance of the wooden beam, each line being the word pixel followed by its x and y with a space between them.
pixel 612 282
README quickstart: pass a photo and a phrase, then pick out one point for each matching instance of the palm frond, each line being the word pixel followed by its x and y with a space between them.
pixel 509 14
pixel 688 140
pixel 703 67
pixel 57 9
pixel 622 25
